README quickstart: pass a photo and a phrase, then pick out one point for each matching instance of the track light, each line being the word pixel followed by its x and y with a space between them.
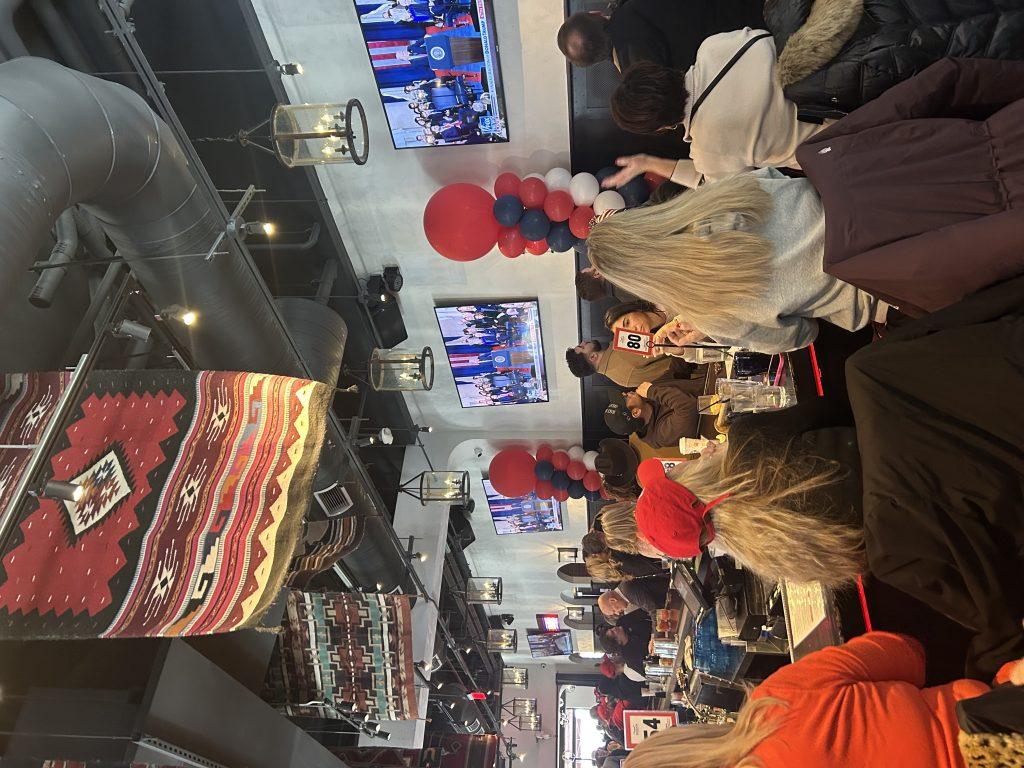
pixel 60 489
pixel 421 556
pixel 182 314
pixel 290 69
pixel 451 705
pixel 379 586
pixel 393 279
pixel 385 735
pixel 260 227
pixel 129 329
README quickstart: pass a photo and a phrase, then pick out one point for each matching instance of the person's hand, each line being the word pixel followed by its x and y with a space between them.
pixel 643 389
pixel 633 401
pixel 632 166
pixel 678 333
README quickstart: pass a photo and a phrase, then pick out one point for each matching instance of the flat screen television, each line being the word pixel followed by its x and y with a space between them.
pixel 435 63
pixel 544 644
pixel 523 515
pixel 496 352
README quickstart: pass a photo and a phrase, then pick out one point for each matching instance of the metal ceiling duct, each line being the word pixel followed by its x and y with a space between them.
pixel 68 138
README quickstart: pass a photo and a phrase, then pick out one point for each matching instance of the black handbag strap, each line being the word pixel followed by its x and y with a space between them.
pixel 718 78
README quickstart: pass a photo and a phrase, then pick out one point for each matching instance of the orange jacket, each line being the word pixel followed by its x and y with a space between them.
pixel 864 705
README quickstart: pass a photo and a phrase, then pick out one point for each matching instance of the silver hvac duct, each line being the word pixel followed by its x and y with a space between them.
pixel 68 138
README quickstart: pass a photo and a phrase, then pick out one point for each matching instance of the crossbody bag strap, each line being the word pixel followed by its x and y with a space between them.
pixel 718 78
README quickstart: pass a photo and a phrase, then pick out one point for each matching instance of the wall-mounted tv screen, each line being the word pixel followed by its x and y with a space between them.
pixel 524 515
pixel 496 352
pixel 549 643
pixel 436 67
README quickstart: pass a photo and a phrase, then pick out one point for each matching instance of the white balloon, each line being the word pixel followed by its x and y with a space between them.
pixel 557 178
pixel 584 188
pixel 609 200
pixel 589 459
pixel 576 453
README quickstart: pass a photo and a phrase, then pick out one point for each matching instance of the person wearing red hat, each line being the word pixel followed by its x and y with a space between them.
pixel 608 667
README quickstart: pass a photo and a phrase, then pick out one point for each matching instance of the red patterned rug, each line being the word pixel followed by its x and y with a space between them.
pixel 196 484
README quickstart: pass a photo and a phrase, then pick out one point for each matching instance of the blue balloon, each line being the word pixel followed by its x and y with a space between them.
pixel 635 192
pixel 577 490
pixel 604 173
pixel 508 210
pixel 560 238
pixel 592 495
pixel 561 481
pixel 543 470
pixel 534 225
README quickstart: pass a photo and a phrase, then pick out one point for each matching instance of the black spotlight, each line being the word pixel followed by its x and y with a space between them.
pixel 377 291
pixel 393 279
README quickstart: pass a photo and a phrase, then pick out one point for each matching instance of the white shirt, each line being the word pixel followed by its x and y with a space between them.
pixel 746 122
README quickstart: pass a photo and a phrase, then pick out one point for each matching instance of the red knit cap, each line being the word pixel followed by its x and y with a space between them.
pixel 668 514
pixel 607 667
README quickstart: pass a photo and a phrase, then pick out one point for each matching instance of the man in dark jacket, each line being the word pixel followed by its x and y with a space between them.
pixel 629 639
pixel 643 594
pixel 667 32
pixel 659 413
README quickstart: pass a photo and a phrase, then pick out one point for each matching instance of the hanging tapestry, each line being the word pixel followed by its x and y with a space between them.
pixel 341 536
pixel 338 647
pixel 195 487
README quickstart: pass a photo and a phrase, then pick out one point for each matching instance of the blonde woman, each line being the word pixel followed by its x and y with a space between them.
pixel 858 705
pixel 618 521
pixel 740 259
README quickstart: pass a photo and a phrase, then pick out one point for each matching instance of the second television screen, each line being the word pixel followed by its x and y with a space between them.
pixel 496 352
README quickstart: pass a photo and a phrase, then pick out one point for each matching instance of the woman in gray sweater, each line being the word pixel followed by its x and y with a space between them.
pixel 740 259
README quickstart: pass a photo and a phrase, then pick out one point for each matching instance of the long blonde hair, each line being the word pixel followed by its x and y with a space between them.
pixel 773 522
pixel 603 568
pixel 684 255
pixel 619 525
pixel 710 746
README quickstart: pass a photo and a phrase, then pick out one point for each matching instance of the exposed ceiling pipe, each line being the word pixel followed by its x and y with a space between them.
pixel 64 251
pixel 10 40
pixel 67 138
pixel 64 39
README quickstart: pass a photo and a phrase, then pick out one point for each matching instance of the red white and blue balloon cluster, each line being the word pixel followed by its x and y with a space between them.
pixel 536 214
pixel 550 473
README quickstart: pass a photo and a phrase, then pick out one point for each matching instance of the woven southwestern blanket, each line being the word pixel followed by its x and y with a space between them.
pixel 195 487
pixel 338 647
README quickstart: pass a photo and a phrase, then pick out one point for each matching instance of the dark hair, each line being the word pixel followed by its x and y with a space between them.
pixel 607 643
pixel 649 98
pixel 590 287
pixel 584 40
pixel 578 363
pixel 612 314
pixel 593 543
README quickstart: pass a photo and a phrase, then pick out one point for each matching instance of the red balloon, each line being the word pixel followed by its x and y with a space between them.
pixel 506 184
pixel 560 459
pixel 544 489
pixel 532 192
pixel 538 247
pixel 544 452
pixel 560 494
pixel 654 180
pixel 579 222
pixel 592 480
pixel 459 222
pixel 511 242
pixel 576 470
pixel 511 472
pixel 558 205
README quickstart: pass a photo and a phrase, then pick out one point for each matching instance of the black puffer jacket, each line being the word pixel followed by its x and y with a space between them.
pixel 836 55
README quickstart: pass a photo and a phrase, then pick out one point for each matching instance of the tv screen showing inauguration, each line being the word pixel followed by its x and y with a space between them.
pixel 496 352
pixel 527 514
pixel 436 67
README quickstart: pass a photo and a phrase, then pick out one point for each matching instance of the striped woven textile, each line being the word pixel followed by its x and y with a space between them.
pixel 345 647
pixel 195 487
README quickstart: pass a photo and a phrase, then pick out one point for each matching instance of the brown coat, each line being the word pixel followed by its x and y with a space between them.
pixel 923 188
pixel 630 371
